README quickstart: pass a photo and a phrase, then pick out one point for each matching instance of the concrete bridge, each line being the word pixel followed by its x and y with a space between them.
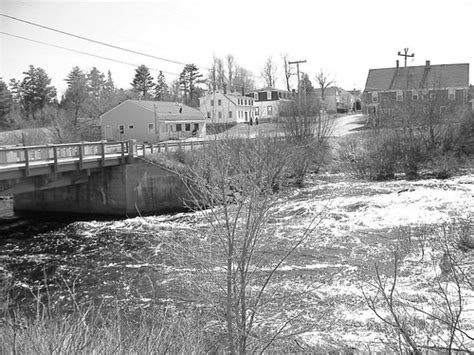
pixel 110 178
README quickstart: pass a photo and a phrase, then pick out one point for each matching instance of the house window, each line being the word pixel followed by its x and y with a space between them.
pixel 178 127
pixel 269 110
pixel 196 126
pixel 219 114
pixel 451 94
pixel 121 129
pixel 375 97
pixel 257 111
pixel 151 127
pixel 399 95
pixel 414 95
pixel 279 95
pixel 130 127
pixel 442 109
pixel 246 116
pixel 208 115
pixel 230 114
pixel 187 127
pixel 269 95
pixel 255 95
pixel 219 102
pixel 212 102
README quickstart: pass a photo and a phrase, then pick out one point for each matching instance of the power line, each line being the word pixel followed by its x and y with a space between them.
pixel 95 41
pixel 85 53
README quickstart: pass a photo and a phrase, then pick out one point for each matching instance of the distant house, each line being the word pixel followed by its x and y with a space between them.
pixel 268 102
pixel 151 121
pixel 336 99
pixel 445 86
pixel 222 107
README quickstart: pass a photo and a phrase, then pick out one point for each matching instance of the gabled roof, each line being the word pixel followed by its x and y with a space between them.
pixel 166 110
pixel 269 89
pixel 418 77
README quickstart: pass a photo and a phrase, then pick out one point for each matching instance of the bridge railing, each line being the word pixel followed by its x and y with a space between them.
pixel 27 155
pixel 143 149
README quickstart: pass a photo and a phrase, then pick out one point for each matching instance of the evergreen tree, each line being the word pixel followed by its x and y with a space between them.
pixel 77 92
pixel 36 91
pixel 161 88
pixel 188 79
pixel 5 104
pixel 143 81
pixel 96 84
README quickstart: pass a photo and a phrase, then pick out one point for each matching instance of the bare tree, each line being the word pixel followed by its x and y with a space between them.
pixel 230 71
pixel 324 82
pixel 221 77
pixel 269 72
pixel 411 326
pixel 243 79
pixel 287 70
pixel 233 187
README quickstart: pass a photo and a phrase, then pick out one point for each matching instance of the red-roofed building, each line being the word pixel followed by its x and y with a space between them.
pixel 447 85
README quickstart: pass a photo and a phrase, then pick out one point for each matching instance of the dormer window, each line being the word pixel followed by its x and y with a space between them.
pixel 269 95
pixel 255 95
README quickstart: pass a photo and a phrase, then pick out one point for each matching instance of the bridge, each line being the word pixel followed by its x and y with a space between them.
pixel 91 177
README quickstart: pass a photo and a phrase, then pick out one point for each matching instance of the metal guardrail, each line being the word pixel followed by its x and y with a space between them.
pixel 24 156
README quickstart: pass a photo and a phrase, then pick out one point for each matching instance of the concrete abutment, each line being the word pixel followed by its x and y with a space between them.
pixel 125 190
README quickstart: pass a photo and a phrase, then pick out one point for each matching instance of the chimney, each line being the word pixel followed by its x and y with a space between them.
pixel 428 63
pixel 225 88
pixel 398 63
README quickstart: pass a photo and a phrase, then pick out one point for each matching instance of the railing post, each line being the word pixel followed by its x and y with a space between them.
pixel 122 151
pixel 151 148
pixel 131 150
pixel 166 147
pixel 102 152
pixel 27 162
pixel 192 146
pixel 55 157
pixel 3 156
pixel 81 156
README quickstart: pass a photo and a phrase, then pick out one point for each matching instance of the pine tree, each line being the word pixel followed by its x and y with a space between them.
pixel 161 88
pixel 95 83
pixel 36 91
pixel 143 81
pixel 77 92
pixel 188 79
pixel 5 104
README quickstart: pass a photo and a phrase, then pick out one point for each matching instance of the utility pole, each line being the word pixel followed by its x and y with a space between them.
pixel 406 55
pixel 298 62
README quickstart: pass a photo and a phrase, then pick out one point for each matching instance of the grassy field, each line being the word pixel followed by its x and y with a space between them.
pixel 133 263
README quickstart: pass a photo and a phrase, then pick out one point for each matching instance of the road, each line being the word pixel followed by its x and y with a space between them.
pixel 345 124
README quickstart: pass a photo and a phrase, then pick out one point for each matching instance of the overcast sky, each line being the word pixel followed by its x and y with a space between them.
pixel 345 38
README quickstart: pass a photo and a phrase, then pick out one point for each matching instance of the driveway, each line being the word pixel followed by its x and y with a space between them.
pixel 345 124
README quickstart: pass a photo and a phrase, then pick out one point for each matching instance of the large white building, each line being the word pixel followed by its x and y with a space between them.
pixel 268 102
pixel 220 107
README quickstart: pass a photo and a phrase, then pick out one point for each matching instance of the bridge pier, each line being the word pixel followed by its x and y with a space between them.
pixel 123 190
